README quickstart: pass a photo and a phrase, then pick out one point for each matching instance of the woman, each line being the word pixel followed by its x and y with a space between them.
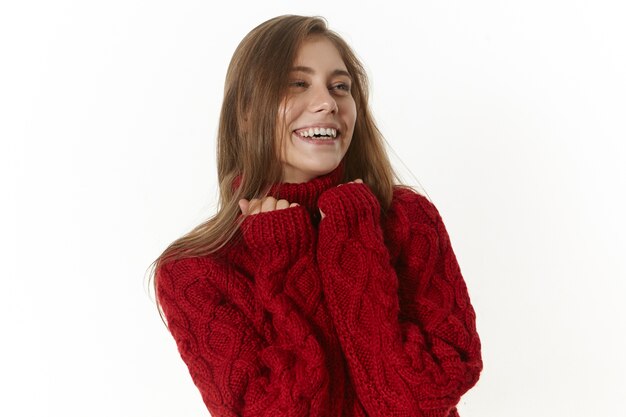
pixel 321 287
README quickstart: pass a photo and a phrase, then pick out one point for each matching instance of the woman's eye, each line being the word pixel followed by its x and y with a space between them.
pixel 298 84
pixel 342 86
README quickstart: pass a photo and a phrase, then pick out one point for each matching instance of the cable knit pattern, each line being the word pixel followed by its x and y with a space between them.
pixel 361 315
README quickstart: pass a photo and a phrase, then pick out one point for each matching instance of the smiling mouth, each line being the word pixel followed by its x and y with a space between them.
pixel 318 135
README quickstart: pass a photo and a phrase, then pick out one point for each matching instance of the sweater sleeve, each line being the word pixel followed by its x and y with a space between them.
pixel 243 363
pixel 416 362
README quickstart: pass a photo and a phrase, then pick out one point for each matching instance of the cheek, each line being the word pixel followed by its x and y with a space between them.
pixel 291 109
pixel 285 109
pixel 350 114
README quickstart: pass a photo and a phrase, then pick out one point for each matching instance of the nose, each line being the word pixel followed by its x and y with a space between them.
pixel 323 101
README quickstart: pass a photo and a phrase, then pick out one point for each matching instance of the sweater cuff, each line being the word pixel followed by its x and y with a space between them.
pixel 349 205
pixel 277 231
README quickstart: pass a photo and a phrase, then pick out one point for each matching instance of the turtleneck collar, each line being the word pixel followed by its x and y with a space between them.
pixel 305 193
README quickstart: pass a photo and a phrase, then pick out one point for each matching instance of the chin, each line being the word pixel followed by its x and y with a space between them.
pixel 322 168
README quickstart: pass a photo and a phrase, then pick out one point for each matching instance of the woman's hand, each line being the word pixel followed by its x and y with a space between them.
pixel 358 181
pixel 269 203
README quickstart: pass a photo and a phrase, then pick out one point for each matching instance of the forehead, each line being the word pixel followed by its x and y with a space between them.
pixel 319 52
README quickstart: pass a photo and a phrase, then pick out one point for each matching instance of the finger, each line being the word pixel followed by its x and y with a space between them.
pixel 269 204
pixel 243 205
pixel 254 207
pixel 282 204
pixel 322 213
pixel 359 180
pixel 294 205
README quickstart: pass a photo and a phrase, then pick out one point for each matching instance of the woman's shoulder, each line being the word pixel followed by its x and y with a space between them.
pixel 410 214
pixel 188 269
pixel 411 206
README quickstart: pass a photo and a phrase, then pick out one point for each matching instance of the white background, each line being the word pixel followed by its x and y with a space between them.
pixel 510 114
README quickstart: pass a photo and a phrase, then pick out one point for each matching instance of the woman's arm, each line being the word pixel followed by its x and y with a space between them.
pixel 413 363
pixel 243 363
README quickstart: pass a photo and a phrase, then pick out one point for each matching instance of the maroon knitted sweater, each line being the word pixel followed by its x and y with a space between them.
pixel 361 314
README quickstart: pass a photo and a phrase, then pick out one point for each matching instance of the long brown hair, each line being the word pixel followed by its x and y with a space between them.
pixel 256 82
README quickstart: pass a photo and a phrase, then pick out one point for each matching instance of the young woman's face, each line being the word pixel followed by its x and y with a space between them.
pixel 319 97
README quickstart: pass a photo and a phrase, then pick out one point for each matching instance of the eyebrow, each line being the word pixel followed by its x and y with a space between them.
pixel 310 70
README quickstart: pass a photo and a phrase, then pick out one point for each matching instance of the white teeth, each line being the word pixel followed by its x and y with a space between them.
pixel 318 131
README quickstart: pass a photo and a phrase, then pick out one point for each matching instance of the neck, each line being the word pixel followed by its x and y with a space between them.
pixel 304 193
